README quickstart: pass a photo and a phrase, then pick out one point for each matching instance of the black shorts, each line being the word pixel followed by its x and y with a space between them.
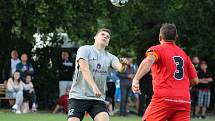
pixel 78 107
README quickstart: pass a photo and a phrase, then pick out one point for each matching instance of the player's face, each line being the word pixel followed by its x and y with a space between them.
pixel 102 38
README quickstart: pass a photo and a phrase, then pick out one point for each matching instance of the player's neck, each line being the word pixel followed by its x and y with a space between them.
pixel 99 47
pixel 163 42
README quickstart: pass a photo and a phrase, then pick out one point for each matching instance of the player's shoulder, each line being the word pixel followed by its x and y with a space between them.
pixel 110 55
pixel 154 48
pixel 85 48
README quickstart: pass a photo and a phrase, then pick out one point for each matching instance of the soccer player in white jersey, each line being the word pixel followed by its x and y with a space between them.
pixel 87 93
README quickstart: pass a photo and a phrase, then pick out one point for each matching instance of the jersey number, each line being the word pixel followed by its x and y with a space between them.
pixel 179 72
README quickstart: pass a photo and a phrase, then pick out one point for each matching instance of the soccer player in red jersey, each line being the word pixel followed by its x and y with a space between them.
pixel 173 74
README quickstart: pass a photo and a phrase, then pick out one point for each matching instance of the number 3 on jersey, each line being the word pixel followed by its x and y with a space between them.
pixel 179 72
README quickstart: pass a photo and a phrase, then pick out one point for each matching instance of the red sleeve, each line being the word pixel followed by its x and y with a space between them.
pixel 191 70
pixel 152 51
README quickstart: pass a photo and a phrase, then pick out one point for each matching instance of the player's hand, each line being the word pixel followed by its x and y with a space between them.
pixel 96 92
pixel 124 61
pixel 136 86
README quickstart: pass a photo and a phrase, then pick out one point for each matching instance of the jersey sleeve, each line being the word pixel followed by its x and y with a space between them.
pixel 152 51
pixel 192 73
pixel 82 53
pixel 114 60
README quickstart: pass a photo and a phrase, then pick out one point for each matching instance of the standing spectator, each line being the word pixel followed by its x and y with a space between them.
pixel 125 85
pixel 15 90
pixel 204 93
pixel 111 88
pixel 195 61
pixel 194 90
pixel 66 70
pixel 24 67
pixel 29 93
pixel 10 66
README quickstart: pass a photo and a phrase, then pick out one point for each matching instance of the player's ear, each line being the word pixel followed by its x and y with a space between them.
pixel 94 37
pixel 160 38
pixel 177 37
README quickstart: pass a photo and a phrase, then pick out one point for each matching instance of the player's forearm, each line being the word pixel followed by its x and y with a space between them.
pixel 88 76
pixel 144 68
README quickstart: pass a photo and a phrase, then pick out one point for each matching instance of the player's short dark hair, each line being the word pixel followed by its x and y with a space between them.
pixel 104 29
pixel 168 31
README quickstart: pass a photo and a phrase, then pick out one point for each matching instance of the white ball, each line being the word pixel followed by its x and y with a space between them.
pixel 119 3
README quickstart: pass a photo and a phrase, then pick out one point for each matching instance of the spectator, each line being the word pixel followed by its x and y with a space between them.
pixel 63 101
pixel 195 61
pixel 110 93
pixel 24 67
pixel 204 93
pixel 10 66
pixel 194 90
pixel 15 90
pixel 125 85
pixel 29 93
pixel 66 70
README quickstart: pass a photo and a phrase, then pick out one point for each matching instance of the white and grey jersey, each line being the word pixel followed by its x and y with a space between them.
pixel 100 63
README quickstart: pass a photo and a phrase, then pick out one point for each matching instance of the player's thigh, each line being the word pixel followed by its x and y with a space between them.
pixel 76 109
pixel 181 115
pixel 73 119
pixel 102 116
pixel 157 113
pixel 99 111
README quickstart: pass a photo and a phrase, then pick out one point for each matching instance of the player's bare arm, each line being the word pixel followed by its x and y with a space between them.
pixel 121 66
pixel 84 66
pixel 144 68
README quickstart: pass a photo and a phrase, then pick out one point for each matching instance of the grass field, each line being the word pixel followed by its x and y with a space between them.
pixel 8 116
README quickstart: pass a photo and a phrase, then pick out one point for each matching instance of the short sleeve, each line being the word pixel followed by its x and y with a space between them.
pixel 191 70
pixel 83 52
pixel 152 51
pixel 114 60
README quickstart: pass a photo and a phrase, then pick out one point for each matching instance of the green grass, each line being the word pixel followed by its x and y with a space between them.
pixel 8 116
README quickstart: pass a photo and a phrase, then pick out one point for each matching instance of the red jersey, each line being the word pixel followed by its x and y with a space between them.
pixel 171 72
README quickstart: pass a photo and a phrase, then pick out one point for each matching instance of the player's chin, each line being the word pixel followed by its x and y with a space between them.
pixel 104 44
